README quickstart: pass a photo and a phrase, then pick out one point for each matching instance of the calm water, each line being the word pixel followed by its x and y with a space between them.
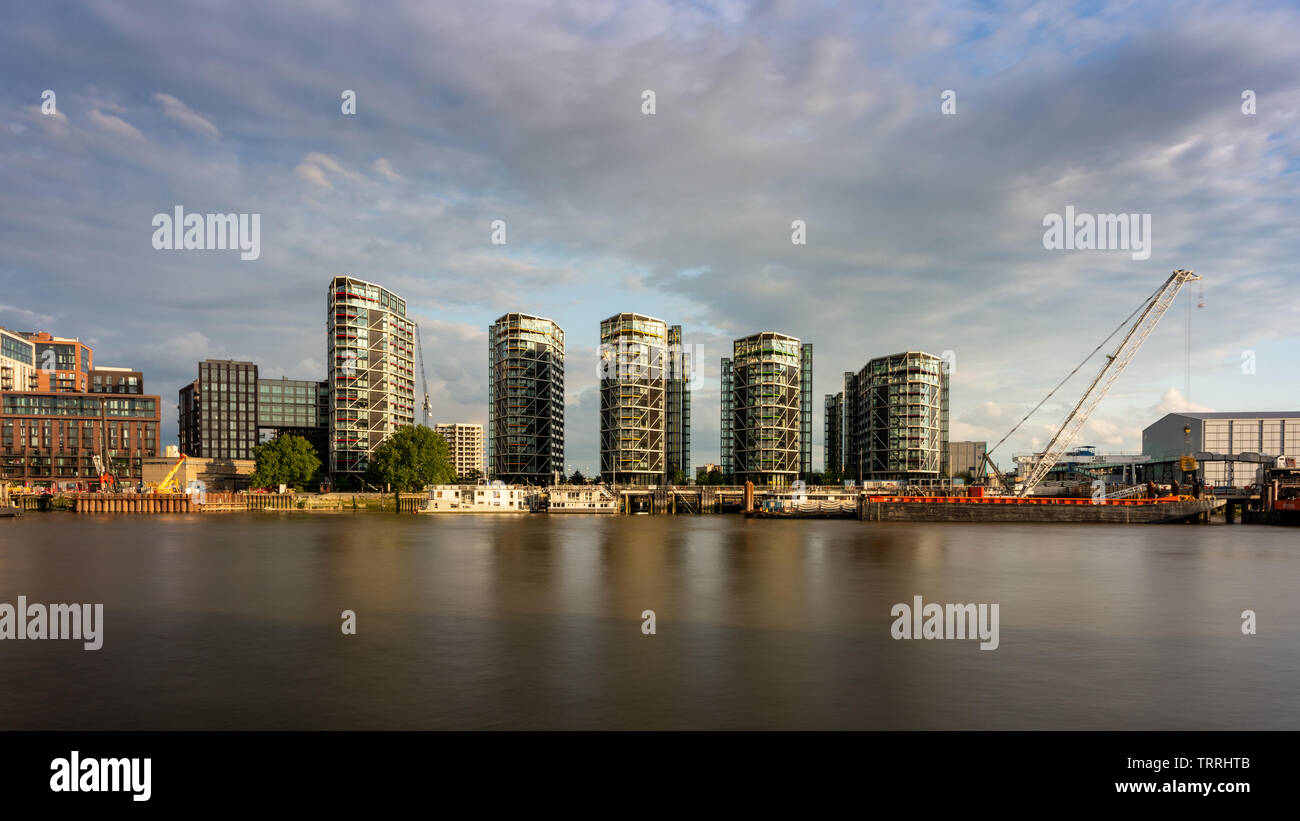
pixel 232 621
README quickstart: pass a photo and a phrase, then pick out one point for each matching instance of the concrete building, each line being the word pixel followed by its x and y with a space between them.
pixel 966 457
pixel 50 438
pixel 371 376
pixel 525 432
pixel 215 474
pixel 464 446
pixel 1218 440
pixel 895 422
pixel 218 411
pixel 767 409
pixel 17 362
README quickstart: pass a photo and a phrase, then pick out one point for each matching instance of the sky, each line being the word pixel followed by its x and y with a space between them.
pixel 924 221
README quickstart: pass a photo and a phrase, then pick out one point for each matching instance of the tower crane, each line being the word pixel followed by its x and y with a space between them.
pixel 1148 316
pixel 424 378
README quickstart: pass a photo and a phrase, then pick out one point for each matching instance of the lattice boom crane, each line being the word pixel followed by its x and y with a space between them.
pixel 424 378
pixel 1110 371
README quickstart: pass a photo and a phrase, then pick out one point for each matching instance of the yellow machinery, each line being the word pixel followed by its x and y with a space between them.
pixel 169 483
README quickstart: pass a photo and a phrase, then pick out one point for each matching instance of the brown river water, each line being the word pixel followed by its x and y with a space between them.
pixel 527 621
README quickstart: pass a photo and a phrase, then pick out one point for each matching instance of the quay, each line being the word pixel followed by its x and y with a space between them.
pixel 872 504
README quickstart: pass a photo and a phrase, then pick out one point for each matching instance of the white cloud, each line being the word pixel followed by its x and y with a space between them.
pixel 115 125
pixel 385 168
pixel 1173 401
pixel 176 110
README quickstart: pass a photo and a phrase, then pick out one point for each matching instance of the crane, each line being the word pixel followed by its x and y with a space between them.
pixel 1149 314
pixel 424 378
pixel 169 484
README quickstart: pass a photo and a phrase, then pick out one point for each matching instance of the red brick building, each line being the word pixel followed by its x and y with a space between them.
pixel 49 438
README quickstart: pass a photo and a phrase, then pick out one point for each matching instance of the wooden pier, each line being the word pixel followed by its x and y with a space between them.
pixel 131 503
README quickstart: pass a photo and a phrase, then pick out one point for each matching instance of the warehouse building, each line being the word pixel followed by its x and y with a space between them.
pixel 1229 447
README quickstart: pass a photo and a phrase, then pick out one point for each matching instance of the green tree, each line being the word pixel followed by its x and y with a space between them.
pixel 410 459
pixel 577 478
pixel 285 460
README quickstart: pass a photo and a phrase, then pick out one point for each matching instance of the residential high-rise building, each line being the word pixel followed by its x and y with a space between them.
pixel 896 419
pixel 51 438
pixel 17 362
pixel 371 362
pixel 525 435
pixel 633 399
pixel 726 405
pixel 218 411
pixel 832 433
pixel 464 446
pixel 62 364
pixel 767 424
pixel 679 407
pixel 55 421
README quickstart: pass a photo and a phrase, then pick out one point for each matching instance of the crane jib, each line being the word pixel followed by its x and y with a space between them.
pixel 1151 311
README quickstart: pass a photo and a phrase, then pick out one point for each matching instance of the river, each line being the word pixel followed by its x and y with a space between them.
pixel 464 621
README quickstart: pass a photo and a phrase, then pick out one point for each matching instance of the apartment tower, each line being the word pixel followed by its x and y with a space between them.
pixel 767 409
pixel 525 435
pixel 371 371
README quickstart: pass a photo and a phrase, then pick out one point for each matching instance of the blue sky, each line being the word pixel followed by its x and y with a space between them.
pixel 924 229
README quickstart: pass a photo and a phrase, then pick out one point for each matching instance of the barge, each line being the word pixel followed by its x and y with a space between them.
pixel 1166 510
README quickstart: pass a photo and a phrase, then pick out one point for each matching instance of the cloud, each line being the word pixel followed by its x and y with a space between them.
pixel 43 320
pixel 176 110
pixel 1173 401
pixel 385 168
pixel 924 230
pixel 314 166
pixel 115 125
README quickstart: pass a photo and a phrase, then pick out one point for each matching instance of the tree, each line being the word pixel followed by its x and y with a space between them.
pixel 410 459
pixel 713 477
pixel 285 460
pixel 577 478
pixel 678 478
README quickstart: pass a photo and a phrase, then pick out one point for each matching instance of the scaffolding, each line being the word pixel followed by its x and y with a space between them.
pixel 525 399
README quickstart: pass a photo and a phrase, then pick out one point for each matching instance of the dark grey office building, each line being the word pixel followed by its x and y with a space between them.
pixel 218 411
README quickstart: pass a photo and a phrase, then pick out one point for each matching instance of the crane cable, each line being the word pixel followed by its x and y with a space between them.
pixel 1068 376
